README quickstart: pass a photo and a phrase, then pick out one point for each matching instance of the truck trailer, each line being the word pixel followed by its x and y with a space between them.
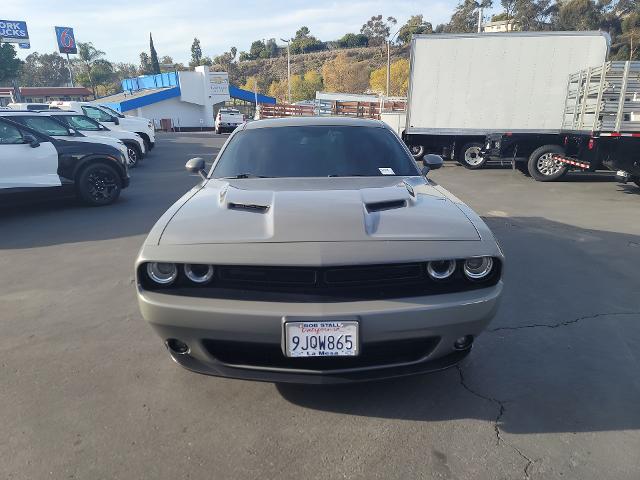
pixel 465 88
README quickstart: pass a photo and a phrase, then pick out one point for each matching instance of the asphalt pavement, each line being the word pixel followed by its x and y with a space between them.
pixel 551 390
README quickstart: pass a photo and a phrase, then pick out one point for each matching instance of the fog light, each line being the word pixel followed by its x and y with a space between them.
pixel 463 343
pixel 177 347
pixel 162 273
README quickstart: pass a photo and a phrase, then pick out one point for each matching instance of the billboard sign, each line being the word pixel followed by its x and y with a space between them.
pixel 14 31
pixel 66 40
pixel 218 86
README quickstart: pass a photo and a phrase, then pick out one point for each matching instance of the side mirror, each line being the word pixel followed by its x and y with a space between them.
pixel 116 120
pixel 431 162
pixel 196 165
pixel 31 140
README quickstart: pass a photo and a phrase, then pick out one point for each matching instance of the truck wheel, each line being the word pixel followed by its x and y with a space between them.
pixel 470 157
pixel 417 151
pixel 543 167
pixel 98 184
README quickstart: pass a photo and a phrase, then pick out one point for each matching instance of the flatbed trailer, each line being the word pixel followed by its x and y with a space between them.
pixel 600 129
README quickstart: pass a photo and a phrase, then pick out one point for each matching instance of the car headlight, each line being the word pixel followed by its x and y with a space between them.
pixel 441 269
pixel 478 268
pixel 198 273
pixel 162 273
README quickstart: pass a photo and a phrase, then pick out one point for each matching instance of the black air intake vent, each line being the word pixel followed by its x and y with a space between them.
pixel 249 207
pixel 387 205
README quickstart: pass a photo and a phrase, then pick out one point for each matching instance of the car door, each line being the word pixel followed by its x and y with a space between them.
pixel 23 165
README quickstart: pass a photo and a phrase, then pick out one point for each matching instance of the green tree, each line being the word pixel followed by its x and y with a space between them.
pixel 304 87
pixel 578 15
pixel 465 17
pixel 378 30
pixel 304 42
pixel 145 64
pixel 533 15
pixel 414 26
pixel 258 49
pixel 196 53
pixel 353 40
pixel 44 70
pixel 93 66
pixel 9 63
pixel 155 64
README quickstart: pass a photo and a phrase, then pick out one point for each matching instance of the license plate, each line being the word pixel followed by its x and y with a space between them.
pixel 321 339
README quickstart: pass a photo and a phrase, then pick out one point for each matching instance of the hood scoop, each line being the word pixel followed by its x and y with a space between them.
pixel 248 207
pixel 385 205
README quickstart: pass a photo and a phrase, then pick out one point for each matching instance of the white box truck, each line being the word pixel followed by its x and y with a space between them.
pixel 464 88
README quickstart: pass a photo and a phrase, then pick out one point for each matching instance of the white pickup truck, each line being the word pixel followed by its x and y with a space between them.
pixel 228 119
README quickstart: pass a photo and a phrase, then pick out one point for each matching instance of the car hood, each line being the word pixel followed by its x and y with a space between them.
pixel 317 209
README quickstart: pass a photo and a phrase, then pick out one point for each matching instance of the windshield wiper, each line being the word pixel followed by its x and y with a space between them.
pixel 245 175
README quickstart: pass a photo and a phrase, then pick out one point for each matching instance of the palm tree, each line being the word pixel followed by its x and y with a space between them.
pixel 88 55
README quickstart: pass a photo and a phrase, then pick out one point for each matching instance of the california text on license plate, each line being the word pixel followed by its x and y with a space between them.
pixel 321 339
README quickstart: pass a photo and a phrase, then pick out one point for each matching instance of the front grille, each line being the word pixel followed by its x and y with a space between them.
pixel 321 284
pixel 271 356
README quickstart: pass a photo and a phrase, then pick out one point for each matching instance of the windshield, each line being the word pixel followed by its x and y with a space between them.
pixel 314 151
pixel 115 112
pixel 80 122
pixel 45 125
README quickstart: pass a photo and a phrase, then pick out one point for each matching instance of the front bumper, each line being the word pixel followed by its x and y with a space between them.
pixel 434 321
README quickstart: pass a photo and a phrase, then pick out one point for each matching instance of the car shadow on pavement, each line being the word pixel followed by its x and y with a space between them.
pixel 562 354
pixel 156 184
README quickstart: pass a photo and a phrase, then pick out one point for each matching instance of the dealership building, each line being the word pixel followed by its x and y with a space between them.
pixel 183 100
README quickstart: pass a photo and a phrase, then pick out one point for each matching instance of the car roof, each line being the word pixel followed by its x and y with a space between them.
pixel 17 113
pixel 314 121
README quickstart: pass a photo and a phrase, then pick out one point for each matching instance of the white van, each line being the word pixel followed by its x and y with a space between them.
pixel 113 120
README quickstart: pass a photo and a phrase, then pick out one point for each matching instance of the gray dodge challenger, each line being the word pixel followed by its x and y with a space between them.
pixel 315 250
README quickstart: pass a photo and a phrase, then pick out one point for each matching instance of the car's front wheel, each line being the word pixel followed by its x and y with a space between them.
pixel 543 167
pixel 134 155
pixel 98 184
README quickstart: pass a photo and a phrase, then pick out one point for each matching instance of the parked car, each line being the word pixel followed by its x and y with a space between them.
pixel 28 106
pixel 35 165
pixel 136 148
pixel 315 250
pixel 228 119
pixel 43 123
pixel 114 120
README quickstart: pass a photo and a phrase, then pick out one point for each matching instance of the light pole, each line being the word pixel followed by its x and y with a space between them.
pixel 389 61
pixel 288 42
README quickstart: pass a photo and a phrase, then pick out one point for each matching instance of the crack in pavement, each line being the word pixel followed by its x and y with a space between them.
pixel 562 324
pixel 496 424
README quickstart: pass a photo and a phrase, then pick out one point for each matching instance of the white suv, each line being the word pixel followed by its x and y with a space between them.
pixel 112 119
pixel 136 148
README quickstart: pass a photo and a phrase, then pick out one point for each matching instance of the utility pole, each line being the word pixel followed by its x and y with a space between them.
pixel 288 42
pixel 480 20
pixel 388 66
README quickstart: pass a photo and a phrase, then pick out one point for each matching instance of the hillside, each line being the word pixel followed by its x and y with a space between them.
pixel 275 69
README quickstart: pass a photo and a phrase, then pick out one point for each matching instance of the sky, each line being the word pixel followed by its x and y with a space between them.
pixel 121 28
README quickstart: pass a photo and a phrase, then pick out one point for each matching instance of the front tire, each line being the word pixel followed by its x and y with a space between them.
pixel 543 167
pixel 98 184
pixel 134 155
pixel 470 156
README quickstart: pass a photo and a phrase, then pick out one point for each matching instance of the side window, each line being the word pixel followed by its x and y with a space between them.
pixel 97 114
pixel 9 134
